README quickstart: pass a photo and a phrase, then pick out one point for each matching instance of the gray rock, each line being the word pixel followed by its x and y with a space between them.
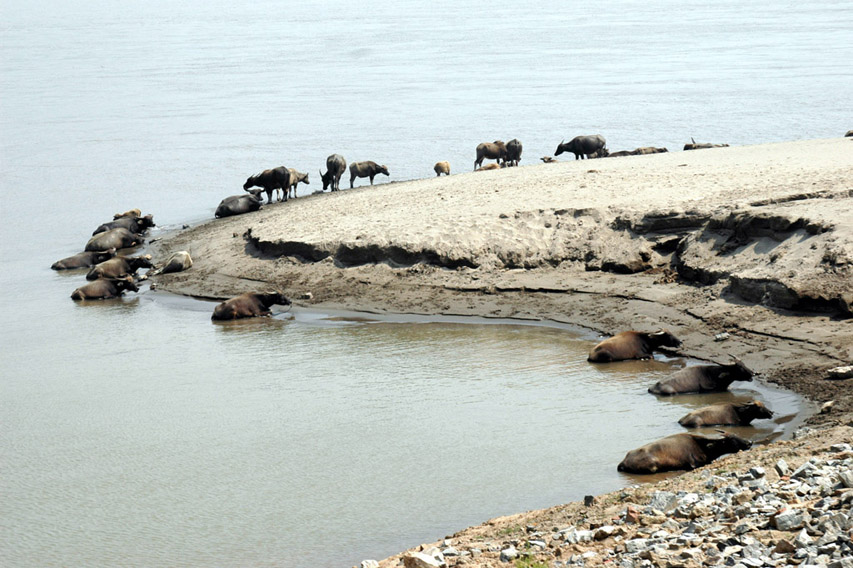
pixel 369 564
pixel 846 478
pixel 420 560
pixel 757 472
pixel 450 551
pixel 789 520
pixel 538 543
pixel 805 470
pixel 803 539
pixel 663 500
pixel 508 554
pixel 634 546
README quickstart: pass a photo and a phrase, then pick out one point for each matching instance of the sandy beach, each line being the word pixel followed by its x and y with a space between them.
pixel 755 242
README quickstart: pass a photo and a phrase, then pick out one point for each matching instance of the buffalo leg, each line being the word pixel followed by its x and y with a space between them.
pixel 371 180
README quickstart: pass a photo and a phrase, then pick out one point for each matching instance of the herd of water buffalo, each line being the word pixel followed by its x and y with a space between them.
pixel 283 181
pixel 686 450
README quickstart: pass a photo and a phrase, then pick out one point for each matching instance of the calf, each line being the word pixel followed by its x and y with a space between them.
pixel 295 178
pixel 441 168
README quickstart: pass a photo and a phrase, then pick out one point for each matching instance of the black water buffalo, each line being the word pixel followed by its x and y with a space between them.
pixel 295 178
pixel 600 153
pixel 335 168
pixel 849 134
pixel 177 262
pixel 631 345
pixel 365 169
pixel 681 451
pixel 703 378
pixel 269 180
pixel 620 154
pixel 136 225
pixel 441 168
pixel 248 305
pixel 130 213
pixel 114 238
pixel 695 146
pixel 83 259
pixel 513 152
pixel 104 288
pixel 237 205
pixel 582 146
pixel 727 414
pixel 119 267
pixel 490 150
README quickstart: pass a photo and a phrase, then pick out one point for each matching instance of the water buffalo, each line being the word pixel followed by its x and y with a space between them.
pixel 600 153
pixel 295 178
pixel 441 168
pixel 631 345
pixel 582 146
pixel 269 180
pixel 849 134
pixel 703 378
pixel 513 152
pixel 177 262
pixel 488 167
pixel 83 259
pixel 365 169
pixel 237 205
pixel 649 150
pixel 681 451
pixel 695 146
pixel 727 414
pixel 119 267
pixel 490 150
pixel 136 225
pixel 104 288
pixel 248 305
pixel 335 168
pixel 548 159
pixel 114 238
pixel 130 213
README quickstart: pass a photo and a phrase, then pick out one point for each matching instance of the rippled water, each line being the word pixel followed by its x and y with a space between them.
pixel 139 433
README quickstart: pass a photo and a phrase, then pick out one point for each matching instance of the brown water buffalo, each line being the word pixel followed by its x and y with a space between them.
pixel 269 180
pixel 490 150
pixel 600 153
pixel 295 178
pixel 237 205
pixel 441 168
pixel 702 378
pixel 681 451
pixel 849 134
pixel 649 150
pixel 727 414
pixel 177 262
pixel 119 267
pixel 488 167
pixel 695 146
pixel 513 152
pixel 104 289
pixel 631 345
pixel 620 154
pixel 582 146
pixel 548 159
pixel 114 238
pixel 336 165
pixel 136 225
pixel 365 169
pixel 248 305
pixel 83 259
pixel 130 213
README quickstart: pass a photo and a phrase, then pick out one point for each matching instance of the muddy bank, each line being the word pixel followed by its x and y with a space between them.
pixel 755 242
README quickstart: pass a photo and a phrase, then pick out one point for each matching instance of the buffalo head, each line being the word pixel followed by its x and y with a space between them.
pixel 663 338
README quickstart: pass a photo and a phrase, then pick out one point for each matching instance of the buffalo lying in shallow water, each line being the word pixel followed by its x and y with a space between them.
pixel 248 305
pixel 104 289
pixel 631 345
pixel 681 451
pixel 133 224
pixel 114 239
pixel 703 378
pixel 119 267
pixel 83 259
pixel 726 414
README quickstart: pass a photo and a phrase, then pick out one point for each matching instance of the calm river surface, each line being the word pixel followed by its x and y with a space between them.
pixel 138 433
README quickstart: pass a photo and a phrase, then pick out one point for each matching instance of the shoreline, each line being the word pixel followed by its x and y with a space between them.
pixel 755 242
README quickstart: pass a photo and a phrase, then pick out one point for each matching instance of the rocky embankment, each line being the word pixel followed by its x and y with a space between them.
pixel 790 507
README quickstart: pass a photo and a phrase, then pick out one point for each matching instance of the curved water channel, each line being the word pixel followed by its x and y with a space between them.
pixel 308 438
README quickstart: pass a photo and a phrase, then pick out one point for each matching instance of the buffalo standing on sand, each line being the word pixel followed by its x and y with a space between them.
pixel 441 168
pixel 104 289
pixel 681 451
pixel 269 180
pixel 365 169
pixel 336 165
pixel 119 267
pixel 513 152
pixel 727 414
pixel 114 239
pixel 248 305
pixel 703 378
pixel 237 205
pixel 83 259
pixel 582 146
pixel 631 345
pixel 295 178
pixel 136 225
pixel 490 150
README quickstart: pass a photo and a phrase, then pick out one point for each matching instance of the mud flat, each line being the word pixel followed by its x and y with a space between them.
pixel 752 242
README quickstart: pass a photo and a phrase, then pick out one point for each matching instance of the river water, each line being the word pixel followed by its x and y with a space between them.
pixel 138 433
